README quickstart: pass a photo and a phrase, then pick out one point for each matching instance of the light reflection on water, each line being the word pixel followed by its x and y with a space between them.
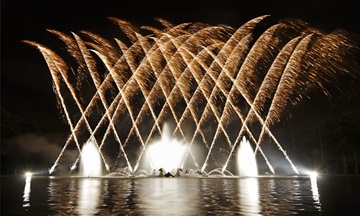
pixel 88 196
pixel 178 196
pixel 249 196
pixel 315 192
pixel 164 196
pixel 27 192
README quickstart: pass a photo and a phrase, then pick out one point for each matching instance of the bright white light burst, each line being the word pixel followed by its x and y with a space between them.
pixel 167 153
pixel 312 174
pixel 90 164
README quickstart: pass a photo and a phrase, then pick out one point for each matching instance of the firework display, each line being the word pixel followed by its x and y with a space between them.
pixel 215 84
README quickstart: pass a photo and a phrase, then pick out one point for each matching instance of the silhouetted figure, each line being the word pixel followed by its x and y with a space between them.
pixel 168 174
pixel 161 174
pixel 178 172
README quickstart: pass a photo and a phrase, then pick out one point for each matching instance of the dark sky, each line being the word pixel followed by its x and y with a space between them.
pixel 25 80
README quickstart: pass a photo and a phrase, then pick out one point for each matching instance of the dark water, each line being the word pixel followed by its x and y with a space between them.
pixel 180 196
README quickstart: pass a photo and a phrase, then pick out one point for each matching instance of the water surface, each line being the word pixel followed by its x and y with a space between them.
pixel 179 196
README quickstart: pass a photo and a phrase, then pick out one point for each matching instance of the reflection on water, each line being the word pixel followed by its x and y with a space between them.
pixel 315 192
pixel 219 196
pixel 284 196
pixel 88 196
pixel 249 196
pixel 27 191
pixel 166 196
pixel 172 196
pixel 62 195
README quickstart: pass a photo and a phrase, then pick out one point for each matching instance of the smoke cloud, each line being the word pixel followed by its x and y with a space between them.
pixel 33 151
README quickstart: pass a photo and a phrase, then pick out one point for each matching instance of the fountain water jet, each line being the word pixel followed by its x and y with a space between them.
pixel 167 153
pixel 90 162
pixel 247 165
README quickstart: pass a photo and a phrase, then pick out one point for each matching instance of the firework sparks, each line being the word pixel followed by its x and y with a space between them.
pixel 191 74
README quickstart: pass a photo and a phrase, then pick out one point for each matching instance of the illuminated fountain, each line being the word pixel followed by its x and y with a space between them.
pixel 166 153
pixel 90 160
pixel 246 159
pixel 214 84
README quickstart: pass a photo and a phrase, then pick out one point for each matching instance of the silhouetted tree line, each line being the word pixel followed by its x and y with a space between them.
pixel 332 144
pixel 13 125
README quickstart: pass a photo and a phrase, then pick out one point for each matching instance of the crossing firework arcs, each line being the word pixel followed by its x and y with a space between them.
pixel 212 83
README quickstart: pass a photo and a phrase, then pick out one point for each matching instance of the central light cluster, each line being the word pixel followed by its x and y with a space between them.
pixel 167 153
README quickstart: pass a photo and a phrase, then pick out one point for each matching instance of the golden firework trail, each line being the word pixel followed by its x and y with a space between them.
pixel 213 83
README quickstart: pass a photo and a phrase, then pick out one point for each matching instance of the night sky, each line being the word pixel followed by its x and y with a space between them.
pixel 26 82
pixel 26 89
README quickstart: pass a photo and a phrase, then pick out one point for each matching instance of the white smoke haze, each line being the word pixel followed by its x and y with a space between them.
pixel 42 146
